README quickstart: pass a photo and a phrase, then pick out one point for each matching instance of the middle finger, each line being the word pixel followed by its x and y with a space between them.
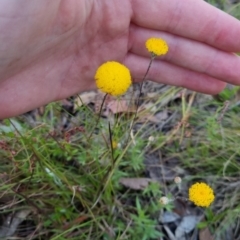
pixel 190 54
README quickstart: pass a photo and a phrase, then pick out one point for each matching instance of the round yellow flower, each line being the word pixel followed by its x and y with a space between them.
pixel 201 194
pixel 157 46
pixel 114 144
pixel 113 78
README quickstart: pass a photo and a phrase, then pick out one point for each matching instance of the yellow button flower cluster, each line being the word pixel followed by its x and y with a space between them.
pixel 113 78
pixel 157 46
pixel 201 194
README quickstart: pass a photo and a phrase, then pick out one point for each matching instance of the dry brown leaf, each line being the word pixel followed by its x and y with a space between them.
pixel 147 118
pixel 153 94
pixel 144 115
pixel 205 234
pixel 120 106
pixel 136 183
pixel 162 116
pixel 84 98
pixel 150 106
pixel 98 101
pixel 187 224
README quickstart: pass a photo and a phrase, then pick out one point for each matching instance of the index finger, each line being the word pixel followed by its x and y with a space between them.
pixel 191 19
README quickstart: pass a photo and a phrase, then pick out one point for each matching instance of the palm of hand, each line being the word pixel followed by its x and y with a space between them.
pixel 75 37
pixel 61 59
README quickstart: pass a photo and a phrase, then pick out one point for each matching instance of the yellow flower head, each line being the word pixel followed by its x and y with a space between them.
pixel 201 194
pixel 114 144
pixel 113 78
pixel 157 46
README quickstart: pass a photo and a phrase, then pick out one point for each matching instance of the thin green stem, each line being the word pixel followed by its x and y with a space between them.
pixel 99 116
pixel 138 100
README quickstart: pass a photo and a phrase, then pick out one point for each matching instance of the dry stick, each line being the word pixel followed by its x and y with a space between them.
pixel 138 100
pixel 111 141
pixel 223 111
pixel 186 113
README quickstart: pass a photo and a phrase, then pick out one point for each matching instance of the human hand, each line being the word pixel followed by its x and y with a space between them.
pixel 51 49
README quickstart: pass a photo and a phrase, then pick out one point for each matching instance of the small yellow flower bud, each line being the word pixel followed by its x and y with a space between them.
pixel 157 46
pixel 114 144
